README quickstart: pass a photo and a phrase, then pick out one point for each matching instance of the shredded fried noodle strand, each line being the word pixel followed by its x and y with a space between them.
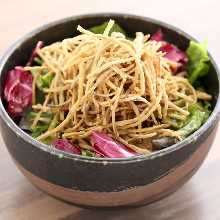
pixel 111 84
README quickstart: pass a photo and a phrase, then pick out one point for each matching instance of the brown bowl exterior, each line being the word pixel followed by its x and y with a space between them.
pixel 131 197
pixel 103 182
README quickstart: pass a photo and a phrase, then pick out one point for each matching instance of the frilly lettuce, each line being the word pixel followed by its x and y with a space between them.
pixel 99 29
pixel 198 65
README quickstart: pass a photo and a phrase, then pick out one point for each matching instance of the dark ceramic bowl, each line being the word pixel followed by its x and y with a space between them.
pixel 99 182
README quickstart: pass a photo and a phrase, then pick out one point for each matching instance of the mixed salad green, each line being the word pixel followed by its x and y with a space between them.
pixel 18 96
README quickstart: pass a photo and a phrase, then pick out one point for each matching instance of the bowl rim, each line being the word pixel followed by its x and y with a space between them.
pixel 27 138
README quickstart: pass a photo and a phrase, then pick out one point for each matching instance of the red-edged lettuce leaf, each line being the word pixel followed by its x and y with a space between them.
pixel 171 51
pixel 158 35
pixel 18 91
pixel 39 45
pixel 174 53
pixel 66 146
pixel 107 147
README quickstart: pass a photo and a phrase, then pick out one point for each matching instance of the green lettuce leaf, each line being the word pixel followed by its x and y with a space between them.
pixel 42 127
pixel 99 29
pixel 27 119
pixel 174 123
pixel 88 153
pixel 40 96
pixel 44 80
pixel 38 130
pixel 38 61
pixel 198 65
pixel 198 115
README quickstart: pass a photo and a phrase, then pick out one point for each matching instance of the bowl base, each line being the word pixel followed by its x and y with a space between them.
pixel 131 198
